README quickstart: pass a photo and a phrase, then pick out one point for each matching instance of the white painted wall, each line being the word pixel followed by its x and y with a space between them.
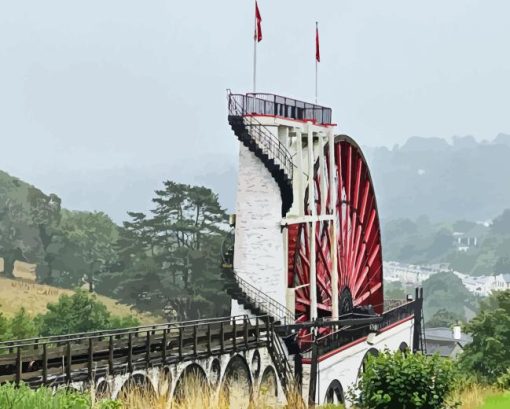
pixel 258 253
pixel 344 366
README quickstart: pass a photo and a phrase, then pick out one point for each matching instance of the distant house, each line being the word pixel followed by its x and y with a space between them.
pixel 446 342
pixel 464 242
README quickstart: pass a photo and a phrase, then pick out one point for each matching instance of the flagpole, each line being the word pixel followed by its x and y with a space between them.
pixel 255 40
pixel 316 64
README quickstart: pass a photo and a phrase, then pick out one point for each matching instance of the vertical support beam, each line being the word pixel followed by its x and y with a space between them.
pixel 222 337
pixel 180 342
pixel 257 330
pixel 147 349
pixel 90 359
pixel 45 364
pixel 323 171
pixel 110 355
pixel 417 344
pixel 234 335
pixel 312 389
pixel 245 333
pixel 19 366
pixel 130 352
pixel 209 340
pixel 312 226
pixel 68 362
pixel 195 340
pixel 333 224
pixel 163 346
pixel 298 175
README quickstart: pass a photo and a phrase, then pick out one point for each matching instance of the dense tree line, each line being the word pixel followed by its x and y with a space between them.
pixel 166 261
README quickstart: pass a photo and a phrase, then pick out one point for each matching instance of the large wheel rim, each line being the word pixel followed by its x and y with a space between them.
pixel 359 259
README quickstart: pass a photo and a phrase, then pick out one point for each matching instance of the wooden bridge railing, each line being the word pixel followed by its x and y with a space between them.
pixel 79 357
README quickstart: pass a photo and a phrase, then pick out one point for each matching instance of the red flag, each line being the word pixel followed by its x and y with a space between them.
pixel 258 26
pixel 317 49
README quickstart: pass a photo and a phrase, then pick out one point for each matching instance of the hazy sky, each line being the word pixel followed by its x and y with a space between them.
pixel 94 88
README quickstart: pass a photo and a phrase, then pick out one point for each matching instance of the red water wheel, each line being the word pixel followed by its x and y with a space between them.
pixel 358 237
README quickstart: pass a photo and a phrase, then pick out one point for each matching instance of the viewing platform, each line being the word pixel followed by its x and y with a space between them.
pixel 263 104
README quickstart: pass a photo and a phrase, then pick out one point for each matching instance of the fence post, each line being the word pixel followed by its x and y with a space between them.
pixel 245 332
pixel 209 338
pixel 257 330
pixel 180 342
pixel 222 337
pixel 110 355
pixel 130 352
pixel 19 366
pixel 163 347
pixel 234 335
pixel 45 363
pixel 195 340
pixel 90 359
pixel 147 349
pixel 68 362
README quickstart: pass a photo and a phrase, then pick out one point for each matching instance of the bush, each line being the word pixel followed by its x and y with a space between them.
pixel 503 380
pixel 80 312
pixel 42 398
pixel 405 381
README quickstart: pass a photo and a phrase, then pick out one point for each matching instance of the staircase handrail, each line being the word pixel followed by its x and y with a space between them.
pixel 258 298
pixel 271 145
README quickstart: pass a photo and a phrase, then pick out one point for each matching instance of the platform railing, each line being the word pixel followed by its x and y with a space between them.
pixel 261 135
pixel 345 335
pixel 277 105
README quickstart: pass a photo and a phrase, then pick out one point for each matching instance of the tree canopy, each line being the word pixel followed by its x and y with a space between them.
pixel 488 355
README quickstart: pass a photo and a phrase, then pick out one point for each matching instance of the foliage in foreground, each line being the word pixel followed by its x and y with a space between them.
pixel 80 312
pixel 488 356
pixel 405 381
pixel 45 398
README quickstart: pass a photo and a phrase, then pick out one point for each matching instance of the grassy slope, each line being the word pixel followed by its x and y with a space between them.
pixel 34 297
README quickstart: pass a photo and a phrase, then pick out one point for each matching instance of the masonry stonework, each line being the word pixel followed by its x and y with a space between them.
pixel 259 253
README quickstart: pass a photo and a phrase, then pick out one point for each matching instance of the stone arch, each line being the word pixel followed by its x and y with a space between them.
pixel 403 347
pixel 165 381
pixel 138 382
pixel 269 384
pixel 255 364
pixel 102 388
pixel 237 383
pixel 193 376
pixel 334 393
pixel 370 352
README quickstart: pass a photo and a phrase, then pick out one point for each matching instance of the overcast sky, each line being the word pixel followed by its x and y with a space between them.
pixel 101 87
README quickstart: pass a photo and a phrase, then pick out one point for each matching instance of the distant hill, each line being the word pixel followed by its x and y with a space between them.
pixel 445 181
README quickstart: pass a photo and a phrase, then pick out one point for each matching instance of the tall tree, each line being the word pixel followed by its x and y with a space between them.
pixel 88 247
pixel 45 212
pixel 488 355
pixel 170 260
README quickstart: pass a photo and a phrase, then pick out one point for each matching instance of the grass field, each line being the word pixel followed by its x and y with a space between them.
pixel 497 402
pixel 15 294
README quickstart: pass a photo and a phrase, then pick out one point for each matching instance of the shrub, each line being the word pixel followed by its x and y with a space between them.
pixel 504 380
pixel 405 381
pixel 43 398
